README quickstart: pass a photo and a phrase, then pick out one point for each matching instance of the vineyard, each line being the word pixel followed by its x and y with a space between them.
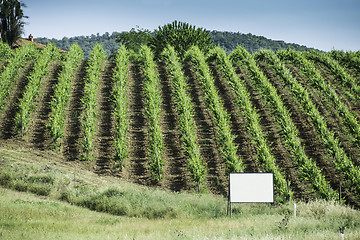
pixel 184 122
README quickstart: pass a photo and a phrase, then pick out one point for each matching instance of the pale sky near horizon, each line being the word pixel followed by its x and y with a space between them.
pixel 321 24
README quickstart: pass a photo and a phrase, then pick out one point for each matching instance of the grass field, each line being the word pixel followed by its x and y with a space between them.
pixel 25 215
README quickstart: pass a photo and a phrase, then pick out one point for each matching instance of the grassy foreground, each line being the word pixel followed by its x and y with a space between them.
pixel 43 197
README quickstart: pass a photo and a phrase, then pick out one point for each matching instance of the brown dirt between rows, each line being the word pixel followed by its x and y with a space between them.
pixel 246 150
pixel 70 144
pixel 324 161
pixel 37 132
pixel 7 120
pixel 272 132
pixel 104 147
pixel 175 172
pixel 205 131
pixel 333 119
pixel 343 133
pixel 135 167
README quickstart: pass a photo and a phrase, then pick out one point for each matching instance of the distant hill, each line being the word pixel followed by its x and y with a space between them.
pixel 22 41
pixel 252 43
pixel 227 40
pixel 85 42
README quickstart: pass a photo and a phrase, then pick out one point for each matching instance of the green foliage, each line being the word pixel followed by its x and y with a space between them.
pixel 182 36
pixel 307 168
pixel 5 51
pixel 21 56
pixel 337 70
pixel 62 94
pixel 11 17
pixel 161 214
pixel 121 105
pixel 110 42
pixel 252 43
pixel 225 137
pixel 29 100
pixel 123 199
pixel 89 118
pixel 319 82
pixel 343 163
pixel 349 59
pixel 253 119
pixel 153 101
pixel 135 38
pixel 86 43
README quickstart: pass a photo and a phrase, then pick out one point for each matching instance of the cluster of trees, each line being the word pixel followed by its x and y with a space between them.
pixel 252 43
pixel 86 43
pixel 11 17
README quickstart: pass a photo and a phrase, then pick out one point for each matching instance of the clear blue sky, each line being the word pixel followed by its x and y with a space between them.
pixel 322 24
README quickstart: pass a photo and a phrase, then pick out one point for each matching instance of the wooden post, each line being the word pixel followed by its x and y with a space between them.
pixel 340 194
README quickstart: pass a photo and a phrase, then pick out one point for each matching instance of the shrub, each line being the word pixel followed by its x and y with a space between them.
pixel 181 36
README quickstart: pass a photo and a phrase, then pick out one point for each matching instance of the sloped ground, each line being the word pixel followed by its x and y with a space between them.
pixel 23 41
pixel 176 175
pixel 30 216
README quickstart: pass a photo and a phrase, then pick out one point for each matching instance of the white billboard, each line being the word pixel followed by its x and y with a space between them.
pixel 251 187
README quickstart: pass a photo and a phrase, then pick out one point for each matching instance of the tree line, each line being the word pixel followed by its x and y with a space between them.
pixel 227 40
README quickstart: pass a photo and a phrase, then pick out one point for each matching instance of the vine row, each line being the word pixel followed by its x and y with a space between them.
pixel 29 100
pixel 152 109
pixel 62 94
pixel 184 107
pixel 89 118
pixel 221 118
pixel 121 105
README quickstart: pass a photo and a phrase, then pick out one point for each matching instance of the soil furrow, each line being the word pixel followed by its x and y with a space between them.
pixel 7 119
pixel 71 146
pixel 38 133
pixel 272 132
pixel 104 148
pixel 312 141
pixel 175 173
pixel 137 163
pixel 206 135
pixel 246 150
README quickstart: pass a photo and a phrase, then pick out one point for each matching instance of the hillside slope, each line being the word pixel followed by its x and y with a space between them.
pixel 176 175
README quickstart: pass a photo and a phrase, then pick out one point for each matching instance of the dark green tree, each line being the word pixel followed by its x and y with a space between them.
pixel 12 23
pixel 181 36
pixel 135 38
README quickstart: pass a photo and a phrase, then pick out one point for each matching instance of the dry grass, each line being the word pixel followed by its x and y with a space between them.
pixel 192 216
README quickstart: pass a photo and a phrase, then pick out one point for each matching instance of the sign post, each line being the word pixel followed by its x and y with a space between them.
pixel 250 188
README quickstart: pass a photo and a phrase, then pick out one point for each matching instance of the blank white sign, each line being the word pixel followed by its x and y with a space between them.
pixel 251 187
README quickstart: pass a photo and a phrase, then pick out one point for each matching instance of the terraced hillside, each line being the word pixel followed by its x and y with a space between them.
pixel 184 124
